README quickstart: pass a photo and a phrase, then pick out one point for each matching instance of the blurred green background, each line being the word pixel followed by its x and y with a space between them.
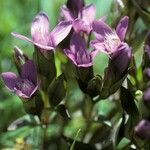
pixel 17 15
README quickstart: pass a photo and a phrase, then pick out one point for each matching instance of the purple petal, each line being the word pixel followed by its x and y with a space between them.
pixel 121 58
pixel 31 41
pixel 98 46
pixel 10 79
pixel 21 95
pixel 85 65
pixel 34 90
pixel 25 88
pixel 77 43
pixel 22 37
pixel 80 26
pixel 40 29
pixel 75 6
pixel 88 14
pixel 104 18
pixel 147 44
pixel 100 29
pixel 147 41
pixel 147 72
pixel 70 55
pixel 84 59
pixel 60 32
pixel 94 53
pixel 122 27
pixel 67 14
pixel 29 72
pixel 143 129
pixel 147 96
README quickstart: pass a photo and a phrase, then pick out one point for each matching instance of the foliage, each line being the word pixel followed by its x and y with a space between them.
pixel 98 106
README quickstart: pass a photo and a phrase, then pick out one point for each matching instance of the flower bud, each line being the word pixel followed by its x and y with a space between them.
pixel 146 98
pixel 143 129
pixel 19 58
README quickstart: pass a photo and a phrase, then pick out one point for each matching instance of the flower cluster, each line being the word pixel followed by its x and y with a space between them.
pixel 86 36
pixel 81 19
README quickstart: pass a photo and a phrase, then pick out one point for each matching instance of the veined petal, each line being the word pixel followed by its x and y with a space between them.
pixel 67 14
pixel 21 95
pixel 85 65
pixel 22 37
pixel 88 14
pixel 60 32
pixel 70 55
pixel 10 79
pixel 29 72
pixel 98 45
pixel 40 29
pixel 122 27
pixel 77 43
pixel 35 89
pixel 121 58
pixel 75 6
pixel 93 53
pixel 81 26
pixel 100 29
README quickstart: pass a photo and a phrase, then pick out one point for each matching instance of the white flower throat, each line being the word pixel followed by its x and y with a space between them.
pixel 111 42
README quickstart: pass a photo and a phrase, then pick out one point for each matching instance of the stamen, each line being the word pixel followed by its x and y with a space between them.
pixel 111 42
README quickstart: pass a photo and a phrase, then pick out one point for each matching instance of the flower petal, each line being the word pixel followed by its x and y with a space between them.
pixel 29 72
pixel 40 29
pixel 70 55
pixel 22 37
pixel 147 96
pixel 75 6
pixel 60 32
pixel 121 58
pixel 122 27
pixel 67 14
pixel 85 65
pixel 80 26
pixel 21 95
pixel 142 129
pixel 98 46
pixel 10 79
pixel 77 43
pixel 93 53
pixel 88 14
pixel 100 29
pixel 35 89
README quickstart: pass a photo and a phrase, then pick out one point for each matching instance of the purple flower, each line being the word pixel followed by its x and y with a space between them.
pixel 81 17
pixel 146 98
pixel 41 37
pixel 121 59
pixel 108 40
pixel 147 95
pixel 143 129
pixel 78 53
pixel 75 6
pixel 24 85
pixel 147 45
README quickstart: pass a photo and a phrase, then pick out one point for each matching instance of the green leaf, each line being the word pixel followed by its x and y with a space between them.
pixel 46 67
pixel 73 144
pixel 56 90
pixel 127 101
pixel 124 144
pixel 145 15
